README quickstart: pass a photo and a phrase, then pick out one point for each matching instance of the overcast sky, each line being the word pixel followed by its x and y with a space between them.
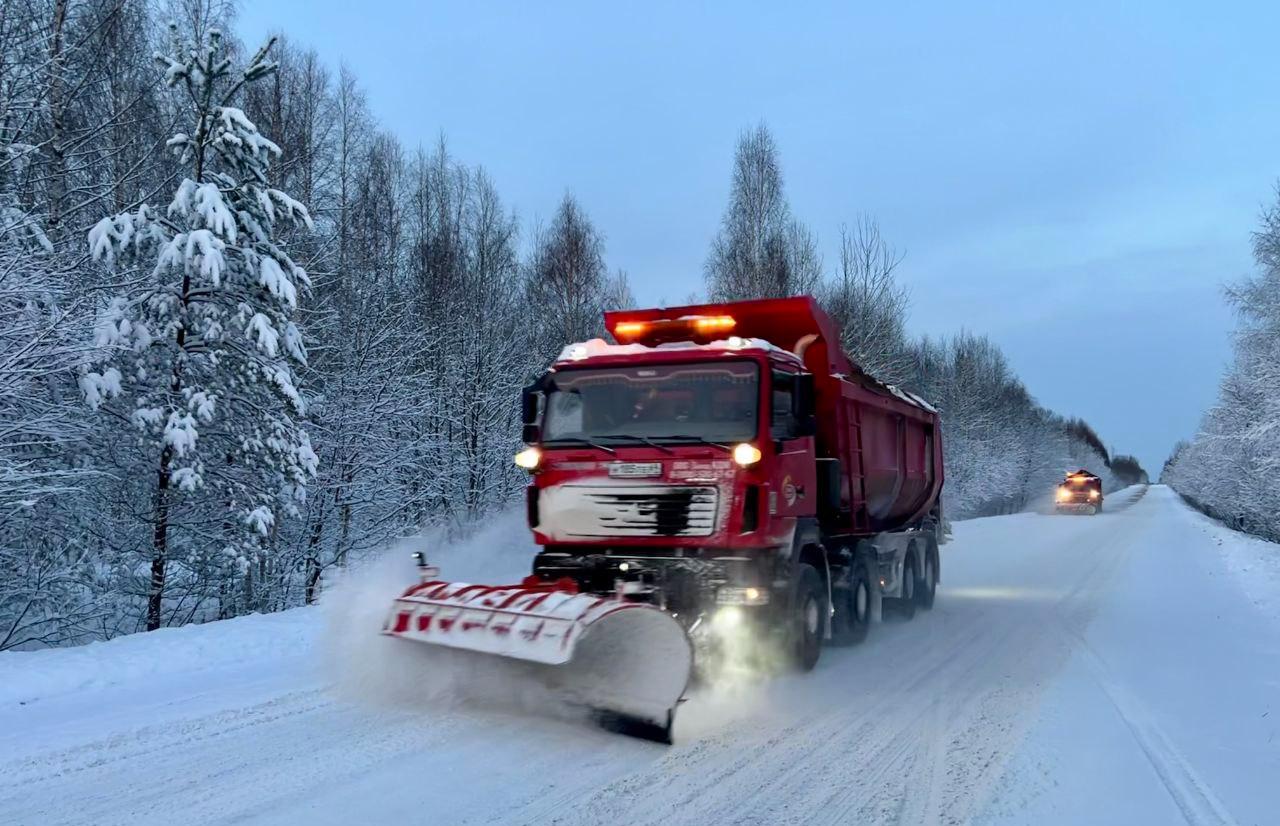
pixel 1076 184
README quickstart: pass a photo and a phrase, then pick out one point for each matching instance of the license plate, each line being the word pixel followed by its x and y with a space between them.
pixel 635 470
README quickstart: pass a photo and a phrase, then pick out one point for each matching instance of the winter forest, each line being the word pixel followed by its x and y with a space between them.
pixel 248 336
pixel 1228 470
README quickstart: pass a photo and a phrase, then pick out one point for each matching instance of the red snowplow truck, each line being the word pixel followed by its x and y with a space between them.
pixel 720 471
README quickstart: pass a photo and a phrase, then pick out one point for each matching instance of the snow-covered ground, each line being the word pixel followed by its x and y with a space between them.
pixel 1123 668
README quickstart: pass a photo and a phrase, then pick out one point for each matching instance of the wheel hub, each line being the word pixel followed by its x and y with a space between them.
pixel 811 616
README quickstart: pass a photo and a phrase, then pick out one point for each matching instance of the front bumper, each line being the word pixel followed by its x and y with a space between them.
pixel 687 582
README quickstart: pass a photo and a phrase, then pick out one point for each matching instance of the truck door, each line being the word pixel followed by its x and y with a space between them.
pixel 793 483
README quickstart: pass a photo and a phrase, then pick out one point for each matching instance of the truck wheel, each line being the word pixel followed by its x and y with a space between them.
pixel 906 604
pixel 853 608
pixel 808 611
pixel 928 586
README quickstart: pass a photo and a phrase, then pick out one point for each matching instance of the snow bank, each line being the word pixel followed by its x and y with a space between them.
pixel 26 676
pixel 1254 562
pixel 346 627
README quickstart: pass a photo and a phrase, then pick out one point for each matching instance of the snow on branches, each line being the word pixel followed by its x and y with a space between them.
pixel 202 349
pixel 1229 469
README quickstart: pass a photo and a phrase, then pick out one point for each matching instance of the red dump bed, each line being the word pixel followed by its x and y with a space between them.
pixel 888 442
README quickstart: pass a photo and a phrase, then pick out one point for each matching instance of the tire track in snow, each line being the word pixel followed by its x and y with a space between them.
pixel 955 786
pixel 947 767
pixel 925 730
pixel 149 740
pixel 871 744
pixel 800 762
pixel 914 726
pixel 277 749
pixel 1194 797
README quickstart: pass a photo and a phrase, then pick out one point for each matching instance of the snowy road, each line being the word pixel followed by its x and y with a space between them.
pixel 1117 669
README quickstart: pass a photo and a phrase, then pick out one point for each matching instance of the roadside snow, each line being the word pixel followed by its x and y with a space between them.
pixel 1168 710
pixel 136 659
pixel 1255 562
pixel 1120 668
pixel 354 604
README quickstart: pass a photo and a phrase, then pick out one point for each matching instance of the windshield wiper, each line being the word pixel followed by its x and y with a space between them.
pixel 579 440
pixel 648 441
pixel 684 437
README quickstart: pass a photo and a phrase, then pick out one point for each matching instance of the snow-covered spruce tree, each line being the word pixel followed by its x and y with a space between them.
pixel 199 353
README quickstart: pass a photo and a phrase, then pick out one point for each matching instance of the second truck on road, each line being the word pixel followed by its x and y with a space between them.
pixel 1079 492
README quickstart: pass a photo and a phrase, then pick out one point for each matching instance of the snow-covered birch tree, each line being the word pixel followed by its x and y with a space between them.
pixel 1231 466
pixel 566 280
pixel 760 251
pixel 864 298
pixel 199 352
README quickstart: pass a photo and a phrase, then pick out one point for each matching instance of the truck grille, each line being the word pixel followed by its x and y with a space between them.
pixel 652 510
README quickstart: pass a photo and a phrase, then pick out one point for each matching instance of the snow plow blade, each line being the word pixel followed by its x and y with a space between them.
pixel 629 663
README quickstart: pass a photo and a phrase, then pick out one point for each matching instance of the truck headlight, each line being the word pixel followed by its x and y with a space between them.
pixel 1093 494
pixel 746 454
pixel 727 618
pixel 1064 494
pixel 529 458
pixel 749 595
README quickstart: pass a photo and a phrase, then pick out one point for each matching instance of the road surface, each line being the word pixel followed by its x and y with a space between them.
pixel 1123 668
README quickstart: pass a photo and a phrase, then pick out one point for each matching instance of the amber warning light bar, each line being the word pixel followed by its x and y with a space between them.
pixel 674 329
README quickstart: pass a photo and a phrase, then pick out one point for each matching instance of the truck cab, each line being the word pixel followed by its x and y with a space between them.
pixel 649 448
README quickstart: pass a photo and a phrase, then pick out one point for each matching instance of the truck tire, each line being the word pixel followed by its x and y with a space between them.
pixel 808 610
pixel 928 587
pixel 905 605
pixel 852 619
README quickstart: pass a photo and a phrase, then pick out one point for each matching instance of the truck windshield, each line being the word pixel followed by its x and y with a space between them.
pixel 676 402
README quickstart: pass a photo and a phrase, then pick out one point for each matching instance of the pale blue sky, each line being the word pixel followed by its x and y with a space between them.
pixel 1077 182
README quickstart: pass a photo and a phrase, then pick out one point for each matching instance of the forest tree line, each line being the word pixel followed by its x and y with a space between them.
pixel 1228 469
pixel 247 335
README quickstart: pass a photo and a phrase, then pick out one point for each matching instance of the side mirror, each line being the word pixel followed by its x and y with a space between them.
pixel 530 433
pixel 804 405
pixel 529 404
